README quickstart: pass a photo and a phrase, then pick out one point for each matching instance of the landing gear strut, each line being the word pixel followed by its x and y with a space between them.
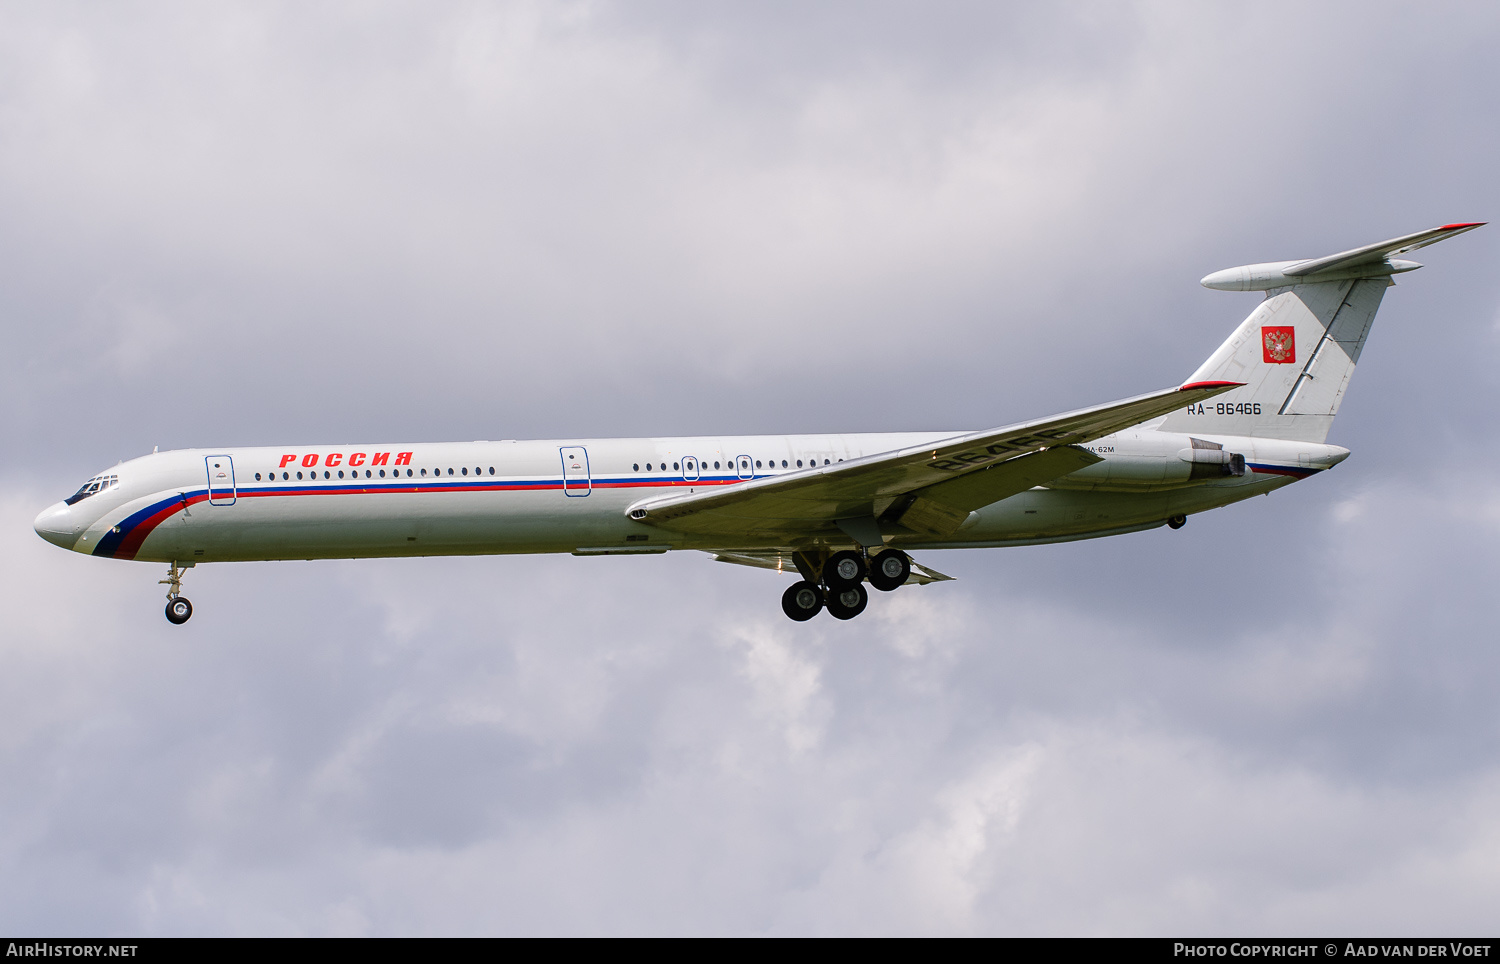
pixel 179 610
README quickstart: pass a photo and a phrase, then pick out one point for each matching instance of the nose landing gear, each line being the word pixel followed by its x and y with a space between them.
pixel 179 610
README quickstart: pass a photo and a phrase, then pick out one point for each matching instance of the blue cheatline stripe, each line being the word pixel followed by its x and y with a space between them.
pixel 124 533
pixel 125 538
pixel 370 486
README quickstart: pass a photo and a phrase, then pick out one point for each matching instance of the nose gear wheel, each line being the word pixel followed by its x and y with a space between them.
pixel 179 610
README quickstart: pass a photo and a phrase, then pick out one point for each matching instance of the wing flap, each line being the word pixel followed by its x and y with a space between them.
pixel 1005 479
pixel 943 508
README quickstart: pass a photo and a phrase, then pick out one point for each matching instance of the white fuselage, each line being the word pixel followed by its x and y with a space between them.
pixel 343 501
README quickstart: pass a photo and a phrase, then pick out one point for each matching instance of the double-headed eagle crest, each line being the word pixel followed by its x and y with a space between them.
pixel 1279 345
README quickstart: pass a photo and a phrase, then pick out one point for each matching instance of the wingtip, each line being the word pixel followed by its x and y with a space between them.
pixel 1463 224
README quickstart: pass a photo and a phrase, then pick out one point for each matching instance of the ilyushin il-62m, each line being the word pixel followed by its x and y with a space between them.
pixel 837 512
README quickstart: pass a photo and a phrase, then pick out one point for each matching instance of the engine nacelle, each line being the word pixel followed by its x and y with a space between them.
pixel 1208 460
pixel 1155 461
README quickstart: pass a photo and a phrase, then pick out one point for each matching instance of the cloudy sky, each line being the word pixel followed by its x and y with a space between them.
pixel 251 224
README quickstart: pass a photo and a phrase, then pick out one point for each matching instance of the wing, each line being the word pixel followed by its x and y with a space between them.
pixel 852 495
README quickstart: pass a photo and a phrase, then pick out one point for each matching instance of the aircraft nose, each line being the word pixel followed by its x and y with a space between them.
pixel 56 525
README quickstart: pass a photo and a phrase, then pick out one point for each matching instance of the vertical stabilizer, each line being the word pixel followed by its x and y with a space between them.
pixel 1296 352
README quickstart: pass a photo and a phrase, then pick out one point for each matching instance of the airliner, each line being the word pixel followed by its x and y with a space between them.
pixel 836 512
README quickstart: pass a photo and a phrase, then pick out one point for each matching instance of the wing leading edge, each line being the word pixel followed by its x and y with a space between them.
pixel 929 488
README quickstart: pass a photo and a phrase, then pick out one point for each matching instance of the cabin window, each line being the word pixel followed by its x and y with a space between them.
pixel 799 463
pixel 783 463
pixel 636 466
pixel 492 470
pixel 341 473
pixel 464 470
pixel 676 467
pixel 382 473
pixel 257 476
pixel 716 465
pixel 757 463
pixel 450 471
pixel 299 476
pixel 424 473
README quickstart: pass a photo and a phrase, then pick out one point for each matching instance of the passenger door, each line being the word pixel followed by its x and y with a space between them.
pixel 220 479
pixel 576 479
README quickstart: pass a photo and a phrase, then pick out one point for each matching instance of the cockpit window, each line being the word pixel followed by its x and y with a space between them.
pixel 93 486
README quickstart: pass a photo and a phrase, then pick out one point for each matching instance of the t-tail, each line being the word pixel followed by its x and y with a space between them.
pixel 1296 352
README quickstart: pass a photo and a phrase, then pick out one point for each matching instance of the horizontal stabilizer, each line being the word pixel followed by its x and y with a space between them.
pixel 1371 261
pixel 1374 253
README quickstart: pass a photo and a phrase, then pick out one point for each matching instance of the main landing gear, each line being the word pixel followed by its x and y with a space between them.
pixel 842 590
pixel 179 610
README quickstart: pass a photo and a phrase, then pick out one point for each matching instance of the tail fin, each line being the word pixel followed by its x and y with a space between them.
pixel 1296 352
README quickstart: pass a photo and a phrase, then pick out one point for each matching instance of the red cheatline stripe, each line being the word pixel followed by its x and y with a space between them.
pixel 131 544
pixel 581 484
pixel 1192 385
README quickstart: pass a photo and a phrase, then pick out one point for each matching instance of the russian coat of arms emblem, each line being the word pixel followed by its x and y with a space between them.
pixel 1278 344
